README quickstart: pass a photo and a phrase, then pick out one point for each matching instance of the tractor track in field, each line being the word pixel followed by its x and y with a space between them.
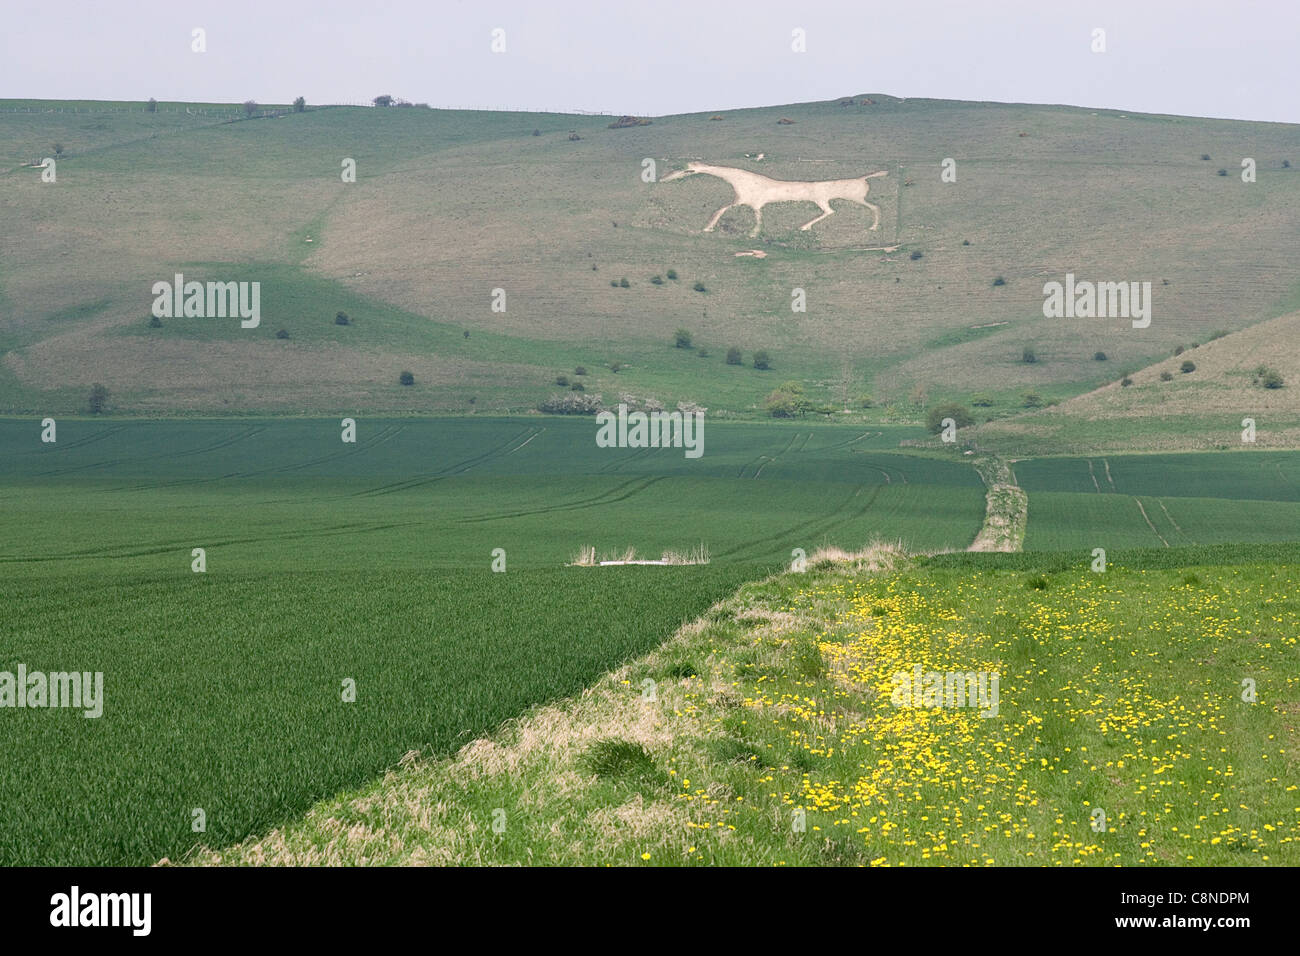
pixel 120 551
pixel 459 468
pixel 214 446
pixel 608 497
pixel 813 526
pixel 1147 519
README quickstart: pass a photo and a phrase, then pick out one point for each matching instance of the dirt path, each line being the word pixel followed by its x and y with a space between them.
pixel 1006 507
pixel 1149 524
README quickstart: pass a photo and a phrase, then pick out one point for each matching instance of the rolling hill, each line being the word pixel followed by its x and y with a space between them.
pixel 552 209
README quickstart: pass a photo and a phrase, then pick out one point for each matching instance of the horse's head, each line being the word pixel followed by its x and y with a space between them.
pixel 690 170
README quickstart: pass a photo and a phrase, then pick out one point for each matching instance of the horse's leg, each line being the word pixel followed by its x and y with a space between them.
pixel 875 211
pixel 826 211
pixel 758 219
pixel 718 215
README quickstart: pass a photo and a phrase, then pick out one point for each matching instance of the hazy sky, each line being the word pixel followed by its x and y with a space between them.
pixel 1229 58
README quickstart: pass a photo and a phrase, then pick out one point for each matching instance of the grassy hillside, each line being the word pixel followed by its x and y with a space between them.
pixel 449 206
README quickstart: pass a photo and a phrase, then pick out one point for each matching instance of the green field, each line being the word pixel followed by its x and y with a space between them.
pixel 1134 501
pixel 372 561
pixel 775 740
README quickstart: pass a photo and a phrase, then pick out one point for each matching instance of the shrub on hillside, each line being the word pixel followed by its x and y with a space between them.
pixel 1166 376
pixel 342 319
pixel 762 361
pixel 699 287
pixel 1028 355
pixel 999 281
pixel 672 274
pixel 656 280
pixel 282 334
pixel 682 338
pixel 1099 356
pixel 406 378
pixel 1032 400
pixel 786 401
pixel 562 381
pixel 570 403
pixel 98 400
pixel 155 322
pixel 1188 366
pixel 917 254
pixel 1271 378
pixel 1125 382
pixel 734 357
pixel 299 105
pixel 982 401
pixel 959 413
pixel 580 370
pixel 152 105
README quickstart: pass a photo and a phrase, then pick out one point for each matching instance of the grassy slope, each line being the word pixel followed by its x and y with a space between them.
pixel 449 205
pixel 777 701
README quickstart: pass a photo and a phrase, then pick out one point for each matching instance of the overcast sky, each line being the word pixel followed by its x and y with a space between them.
pixel 1227 58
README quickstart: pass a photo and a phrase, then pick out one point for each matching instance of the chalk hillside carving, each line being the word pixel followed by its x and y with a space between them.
pixel 756 191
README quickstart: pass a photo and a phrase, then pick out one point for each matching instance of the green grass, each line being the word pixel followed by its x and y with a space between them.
pixel 1119 691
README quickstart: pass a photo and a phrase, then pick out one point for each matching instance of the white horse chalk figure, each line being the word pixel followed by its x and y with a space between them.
pixel 757 191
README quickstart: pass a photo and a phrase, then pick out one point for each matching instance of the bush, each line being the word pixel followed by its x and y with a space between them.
pixel 98 399
pixel 1205 157
pixel 282 334
pixel 1028 356
pixel 1032 400
pixel 613 283
pixel 917 254
pixel 1217 334
pixel 999 281
pixel 615 367
pixel 1099 356
pixel 786 401
pixel 682 337
pixel 761 360
pixel 982 401
pixel 1166 376
pixel 656 280
pixel 866 401
pixel 406 378
pixel 734 357
pixel 152 105
pixel 1271 378
pixel 580 370
pixel 155 322
pixel 537 132
pixel 1188 366
pixel 1125 382
pixel 250 107
pixel 577 387
pixel 624 284
pixel 570 403
pixel 342 319
pixel 562 381
pixel 299 105
pixel 699 287
pixel 957 412
pixel 672 274
pixel 1223 172
pixel 702 352
pixel 384 100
